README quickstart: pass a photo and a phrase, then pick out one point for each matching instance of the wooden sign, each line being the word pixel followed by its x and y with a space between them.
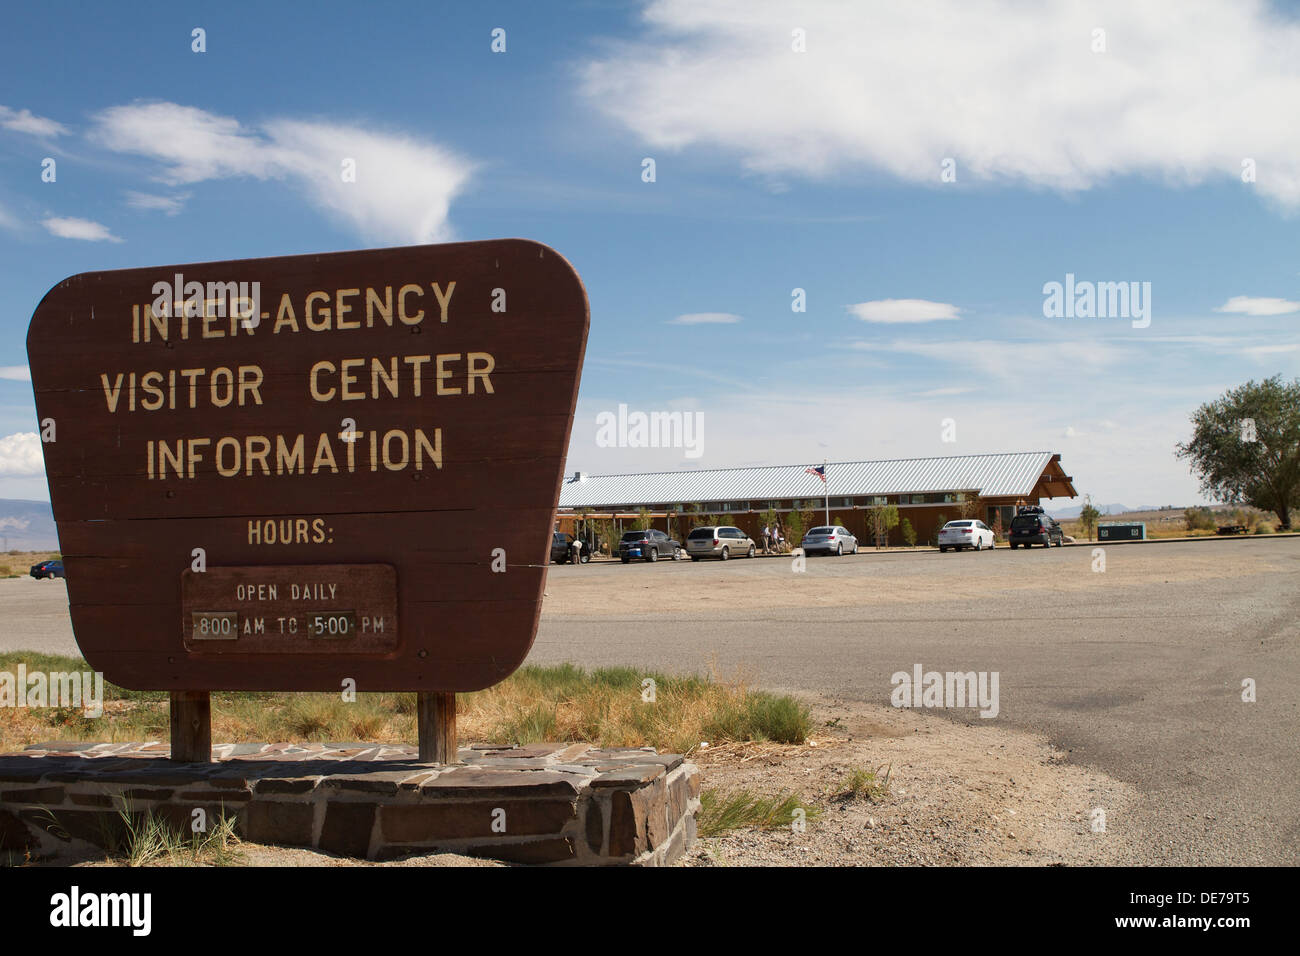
pixel 280 474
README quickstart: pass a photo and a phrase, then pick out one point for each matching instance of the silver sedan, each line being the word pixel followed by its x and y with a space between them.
pixel 830 539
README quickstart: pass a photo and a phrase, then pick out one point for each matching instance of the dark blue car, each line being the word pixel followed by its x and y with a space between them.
pixel 47 569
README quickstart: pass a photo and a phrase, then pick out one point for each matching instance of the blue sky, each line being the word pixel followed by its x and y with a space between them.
pixel 776 169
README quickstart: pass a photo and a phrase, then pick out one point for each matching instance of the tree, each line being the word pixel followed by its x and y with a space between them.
pixel 795 523
pixel 643 519
pixel 1088 517
pixel 880 521
pixel 908 533
pixel 1245 446
pixel 607 534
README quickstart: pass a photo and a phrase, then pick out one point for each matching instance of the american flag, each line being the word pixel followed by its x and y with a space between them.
pixel 819 471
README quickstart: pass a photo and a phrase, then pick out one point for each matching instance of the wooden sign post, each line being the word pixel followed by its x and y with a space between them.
pixel 311 473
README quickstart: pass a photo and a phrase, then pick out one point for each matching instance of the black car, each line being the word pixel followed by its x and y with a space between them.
pixel 562 548
pixel 48 569
pixel 1034 526
pixel 650 545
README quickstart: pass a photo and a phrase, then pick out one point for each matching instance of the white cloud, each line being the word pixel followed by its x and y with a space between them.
pixel 402 191
pixel 705 318
pixel 1250 305
pixel 24 121
pixel 15 373
pixel 1262 353
pixel 171 205
pixel 7 219
pixel 73 228
pixel 904 310
pixel 1012 91
pixel 943 392
pixel 1011 360
pixel 20 455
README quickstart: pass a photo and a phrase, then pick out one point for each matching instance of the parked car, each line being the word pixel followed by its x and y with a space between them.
pixel 829 539
pixel 719 541
pixel 649 544
pixel 1034 526
pixel 48 569
pixel 562 548
pixel 968 533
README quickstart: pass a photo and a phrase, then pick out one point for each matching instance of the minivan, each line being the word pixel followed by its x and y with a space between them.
pixel 719 541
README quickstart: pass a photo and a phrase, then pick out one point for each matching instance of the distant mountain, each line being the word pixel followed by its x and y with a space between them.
pixel 27 526
pixel 1073 511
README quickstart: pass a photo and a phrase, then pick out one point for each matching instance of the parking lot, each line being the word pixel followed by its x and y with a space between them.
pixel 1136 670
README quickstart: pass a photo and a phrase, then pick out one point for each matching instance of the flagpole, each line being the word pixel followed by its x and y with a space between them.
pixel 827 482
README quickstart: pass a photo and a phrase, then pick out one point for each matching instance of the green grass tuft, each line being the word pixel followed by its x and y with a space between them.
pixel 719 813
pixel 864 783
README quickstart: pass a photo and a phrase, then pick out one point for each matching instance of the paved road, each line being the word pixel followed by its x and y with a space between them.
pixel 34 616
pixel 1136 671
pixel 1139 676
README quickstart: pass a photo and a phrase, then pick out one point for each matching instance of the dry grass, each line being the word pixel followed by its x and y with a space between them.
pixel 606 707
pixel 1172 523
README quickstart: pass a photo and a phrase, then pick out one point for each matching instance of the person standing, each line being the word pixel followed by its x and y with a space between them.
pixel 767 532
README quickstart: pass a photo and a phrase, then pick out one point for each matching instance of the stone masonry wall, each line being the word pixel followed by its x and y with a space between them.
pixel 543 804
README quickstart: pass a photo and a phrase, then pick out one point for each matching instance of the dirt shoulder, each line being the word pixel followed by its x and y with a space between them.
pixel 959 795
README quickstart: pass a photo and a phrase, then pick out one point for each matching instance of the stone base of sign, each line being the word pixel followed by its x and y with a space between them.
pixel 542 804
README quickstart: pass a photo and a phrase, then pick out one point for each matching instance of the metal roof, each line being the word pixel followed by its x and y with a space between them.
pixel 1013 473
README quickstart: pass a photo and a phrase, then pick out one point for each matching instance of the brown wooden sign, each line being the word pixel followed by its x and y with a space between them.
pixel 279 474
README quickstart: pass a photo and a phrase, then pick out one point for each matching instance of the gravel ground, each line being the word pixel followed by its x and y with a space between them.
pixel 958 796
